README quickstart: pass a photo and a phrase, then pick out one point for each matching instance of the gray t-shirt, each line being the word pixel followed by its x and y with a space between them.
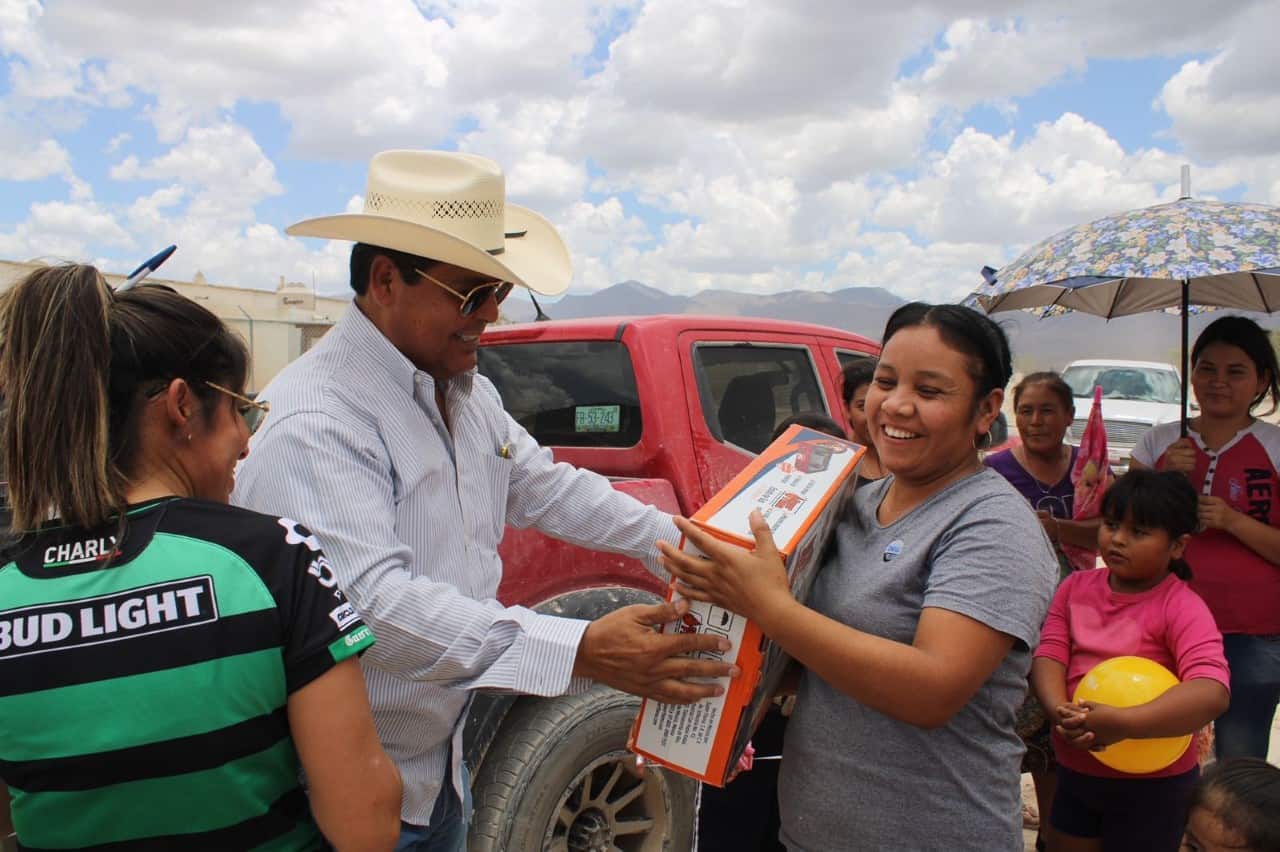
pixel 853 778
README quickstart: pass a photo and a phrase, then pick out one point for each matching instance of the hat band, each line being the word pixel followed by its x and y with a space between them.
pixel 485 213
pixel 489 209
pixel 510 235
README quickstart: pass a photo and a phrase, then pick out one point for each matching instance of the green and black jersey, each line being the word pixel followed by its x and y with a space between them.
pixel 143 682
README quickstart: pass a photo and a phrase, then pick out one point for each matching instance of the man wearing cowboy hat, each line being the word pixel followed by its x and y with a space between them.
pixel 385 441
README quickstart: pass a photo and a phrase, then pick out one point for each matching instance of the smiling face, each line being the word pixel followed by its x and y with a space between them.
pixel 1137 556
pixel 1226 381
pixel 219 439
pixel 423 321
pixel 1042 419
pixel 921 408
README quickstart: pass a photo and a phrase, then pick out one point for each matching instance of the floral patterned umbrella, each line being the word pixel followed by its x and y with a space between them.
pixel 1227 253
pixel 1170 256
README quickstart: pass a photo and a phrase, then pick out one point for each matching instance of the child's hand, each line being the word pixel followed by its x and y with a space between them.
pixel 1067 712
pixel 1071 725
pixel 1108 724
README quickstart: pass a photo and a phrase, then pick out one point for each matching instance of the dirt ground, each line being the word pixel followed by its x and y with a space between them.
pixel 1029 796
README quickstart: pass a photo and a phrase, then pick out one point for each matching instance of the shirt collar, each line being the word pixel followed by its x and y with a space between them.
pixel 380 353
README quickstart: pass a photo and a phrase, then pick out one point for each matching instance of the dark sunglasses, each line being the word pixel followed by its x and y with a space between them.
pixel 476 296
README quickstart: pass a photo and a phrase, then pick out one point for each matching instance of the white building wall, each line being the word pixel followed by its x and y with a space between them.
pixel 276 324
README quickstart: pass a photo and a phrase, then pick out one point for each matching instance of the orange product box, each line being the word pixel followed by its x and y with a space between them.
pixel 800 483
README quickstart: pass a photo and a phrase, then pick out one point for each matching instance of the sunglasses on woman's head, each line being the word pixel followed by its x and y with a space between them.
pixel 253 411
pixel 476 296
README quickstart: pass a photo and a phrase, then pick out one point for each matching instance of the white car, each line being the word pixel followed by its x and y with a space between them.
pixel 1136 395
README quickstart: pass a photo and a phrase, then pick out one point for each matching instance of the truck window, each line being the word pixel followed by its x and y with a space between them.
pixel 845 357
pixel 567 394
pixel 748 390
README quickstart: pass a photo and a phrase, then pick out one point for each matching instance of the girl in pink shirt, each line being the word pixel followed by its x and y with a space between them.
pixel 1138 605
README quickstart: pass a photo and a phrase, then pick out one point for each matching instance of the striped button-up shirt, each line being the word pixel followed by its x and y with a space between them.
pixel 410 513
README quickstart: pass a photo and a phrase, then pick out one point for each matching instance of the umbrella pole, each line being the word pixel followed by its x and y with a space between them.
pixel 1185 310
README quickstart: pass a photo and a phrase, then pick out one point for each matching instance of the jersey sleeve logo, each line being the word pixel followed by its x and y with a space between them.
pixel 344 616
pixel 323 572
pixel 296 533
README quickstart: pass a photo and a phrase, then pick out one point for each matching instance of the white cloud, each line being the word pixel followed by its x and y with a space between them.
pixel 65 231
pixel 769 145
pixel 115 143
pixel 995 60
pixel 848 146
pixel 1229 105
pixel 151 213
pixel 988 189
pixel 212 181
pixel 38 70
pixel 1142 28
pixel 522 136
pixel 740 60
pixel 28 149
pixel 350 76
pixel 342 72
pixel 528 49
pixel 938 272
pixel 20 162
pixel 595 233
pixel 223 166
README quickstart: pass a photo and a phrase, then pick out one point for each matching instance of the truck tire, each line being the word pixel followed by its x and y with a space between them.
pixel 555 778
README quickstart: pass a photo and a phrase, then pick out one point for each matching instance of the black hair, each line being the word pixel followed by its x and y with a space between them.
pixel 1247 335
pixel 78 363
pixel 854 375
pixel 362 255
pixel 1244 794
pixel 973 333
pixel 1056 384
pixel 816 420
pixel 1155 499
pixel 967 331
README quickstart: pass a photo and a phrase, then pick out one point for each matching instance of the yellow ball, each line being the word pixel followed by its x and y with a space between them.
pixel 1126 682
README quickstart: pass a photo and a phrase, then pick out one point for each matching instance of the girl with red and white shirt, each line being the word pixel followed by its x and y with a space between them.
pixel 1233 459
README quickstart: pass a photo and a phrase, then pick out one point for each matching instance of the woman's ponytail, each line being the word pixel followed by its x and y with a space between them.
pixel 54 371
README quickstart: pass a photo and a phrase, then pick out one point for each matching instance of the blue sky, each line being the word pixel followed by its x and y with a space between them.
pixel 721 144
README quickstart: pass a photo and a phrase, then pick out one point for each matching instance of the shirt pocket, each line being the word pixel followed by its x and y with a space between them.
pixel 486 499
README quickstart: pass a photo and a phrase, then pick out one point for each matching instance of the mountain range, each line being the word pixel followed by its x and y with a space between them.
pixel 1037 344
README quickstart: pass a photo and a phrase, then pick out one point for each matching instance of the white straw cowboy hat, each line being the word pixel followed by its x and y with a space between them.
pixel 452 208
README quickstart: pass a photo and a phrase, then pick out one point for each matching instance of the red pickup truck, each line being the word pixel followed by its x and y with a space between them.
pixel 671 408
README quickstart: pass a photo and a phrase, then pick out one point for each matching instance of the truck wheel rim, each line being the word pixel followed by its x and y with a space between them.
pixel 607 809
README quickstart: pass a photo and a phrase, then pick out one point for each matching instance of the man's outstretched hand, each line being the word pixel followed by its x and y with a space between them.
pixel 624 650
